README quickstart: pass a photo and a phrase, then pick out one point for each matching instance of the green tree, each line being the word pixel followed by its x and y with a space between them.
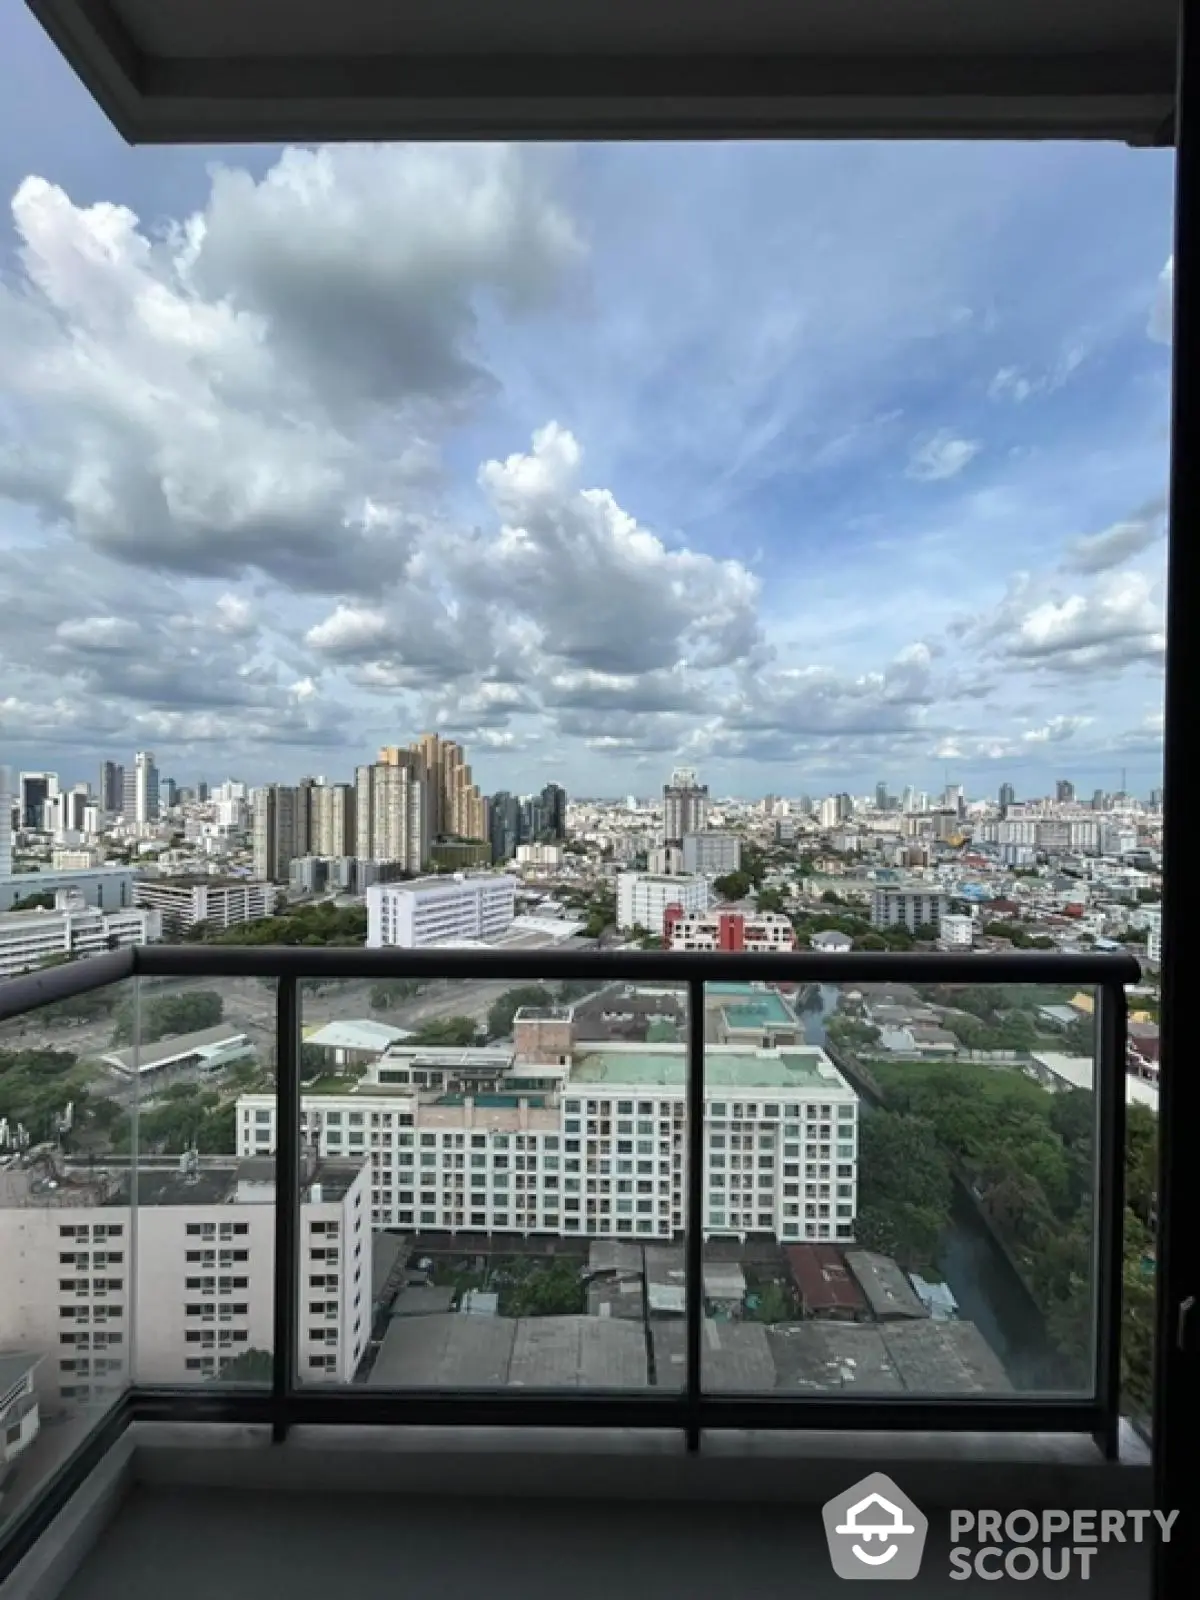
pixel 771 900
pixel 446 1031
pixel 904 1188
pixel 774 1304
pixel 501 1013
pixel 248 1366
pixel 191 1012
pixel 552 1289
pixel 733 885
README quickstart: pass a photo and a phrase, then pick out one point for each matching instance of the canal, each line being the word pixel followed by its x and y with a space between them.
pixel 988 1290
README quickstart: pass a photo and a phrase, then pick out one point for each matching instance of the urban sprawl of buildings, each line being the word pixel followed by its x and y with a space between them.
pixel 562 1126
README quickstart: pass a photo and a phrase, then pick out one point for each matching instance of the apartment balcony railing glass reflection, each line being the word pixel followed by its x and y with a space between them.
pixel 662 1190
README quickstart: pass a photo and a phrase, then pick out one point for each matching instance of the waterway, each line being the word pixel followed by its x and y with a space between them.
pixel 979 1275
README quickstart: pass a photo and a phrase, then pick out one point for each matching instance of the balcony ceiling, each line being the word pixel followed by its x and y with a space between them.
pixel 216 71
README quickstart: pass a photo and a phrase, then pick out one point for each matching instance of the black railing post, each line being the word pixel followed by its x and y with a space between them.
pixel 1110 1073
pixel 694 1215
pixel 287 1201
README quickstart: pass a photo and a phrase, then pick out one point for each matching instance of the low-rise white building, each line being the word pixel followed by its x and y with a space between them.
pixel 217 902
pixel 957 932
pixel 200 1291
pixel 909 905
pixel 205 1051
pixel 431 911
pixel 643 898
pixel 544 856
pixel 73 929
pixel 556 1137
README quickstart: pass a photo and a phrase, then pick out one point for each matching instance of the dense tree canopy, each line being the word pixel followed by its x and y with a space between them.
pixel 1028 1155
pixel 321 924
pixel 173 1014
pixel 501 1014
pixel 904 1188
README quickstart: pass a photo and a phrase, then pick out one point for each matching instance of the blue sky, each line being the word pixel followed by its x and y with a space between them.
pixel 810 465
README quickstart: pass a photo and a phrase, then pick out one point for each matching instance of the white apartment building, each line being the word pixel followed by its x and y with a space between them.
pixel 713 854
pixel 584 1139
pixel 540 855
pixel 78 858
pixel 196 1276
pixel 73 928
pixel 1152 922
pixel 915 905
pixel 433 911
pixel 643 898
pixel 730 930
pixel 957 932
pixel 221 903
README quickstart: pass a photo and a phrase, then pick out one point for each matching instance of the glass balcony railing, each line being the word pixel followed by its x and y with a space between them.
pixel 697 1192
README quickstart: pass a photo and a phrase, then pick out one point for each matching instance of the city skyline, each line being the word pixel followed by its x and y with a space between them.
pixel 598 460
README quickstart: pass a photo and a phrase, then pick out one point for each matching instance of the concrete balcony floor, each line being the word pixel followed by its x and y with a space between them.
pixel 197 1544
pixel 347 1514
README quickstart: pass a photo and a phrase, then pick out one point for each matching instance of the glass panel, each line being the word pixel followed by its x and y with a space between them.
pixel 900 1189
pixel 495 1189
pixel 205 1180
pixel 65 1262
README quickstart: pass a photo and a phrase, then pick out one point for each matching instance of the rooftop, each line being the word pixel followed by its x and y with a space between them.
pixel 926 1357
pixel 724 1068
pixel 148 1056
pixel 357 1035
pixel 216 1185
pixel 14 1367
pixel 765 1011
pixel 453 1350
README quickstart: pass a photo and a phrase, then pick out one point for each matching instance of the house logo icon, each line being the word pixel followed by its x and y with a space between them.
pixel 874 1530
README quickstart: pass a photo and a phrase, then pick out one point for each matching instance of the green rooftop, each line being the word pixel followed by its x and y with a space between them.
pixel 723 1069
pixel 764 1011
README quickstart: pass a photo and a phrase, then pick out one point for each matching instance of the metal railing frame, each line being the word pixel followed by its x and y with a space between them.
pixel 691 1410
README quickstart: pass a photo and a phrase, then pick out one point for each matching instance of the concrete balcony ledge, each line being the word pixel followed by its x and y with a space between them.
pixel 159 1475
pixel 1016 1470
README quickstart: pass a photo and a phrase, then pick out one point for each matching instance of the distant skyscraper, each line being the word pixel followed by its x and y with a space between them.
pixel 504 825
pixel 453 803
pixel 906 801
pixel 273 830
pixel 111 792
pixel 33 792
pixel 1156 798
pixel 5 822
pixel 169 793
pixel 145 788
pixel 882 803
pixel 1008 795
pixel 554 811
pixel 392 811
pixel 954 799
pixel 1064 791
pixel 685 806
pixel 332 820
pixel 202 791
